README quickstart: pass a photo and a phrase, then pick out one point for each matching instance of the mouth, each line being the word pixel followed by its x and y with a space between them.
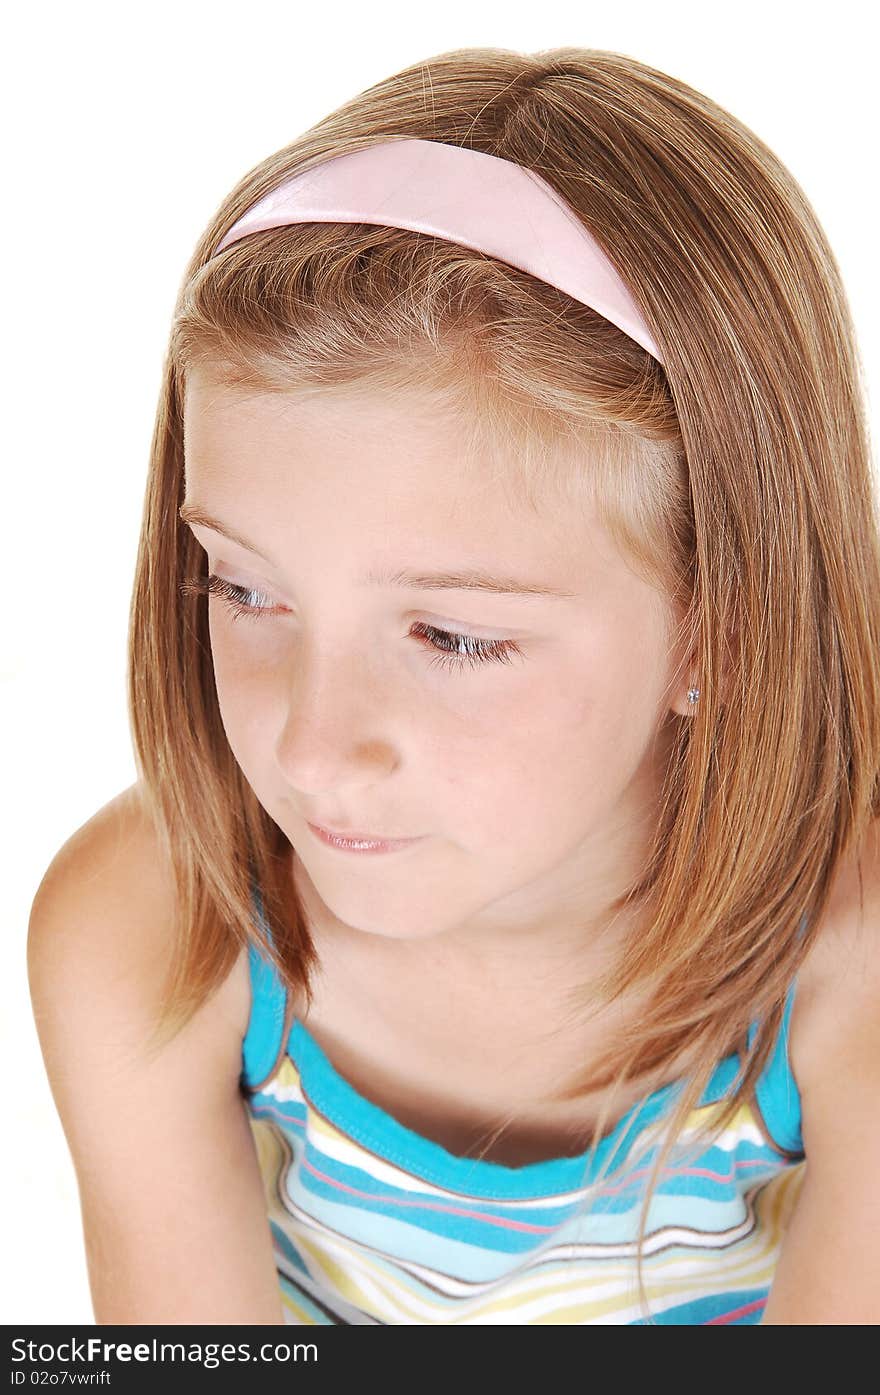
pixel 359 842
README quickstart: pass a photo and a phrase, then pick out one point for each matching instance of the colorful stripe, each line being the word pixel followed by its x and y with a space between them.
pixel 372 1223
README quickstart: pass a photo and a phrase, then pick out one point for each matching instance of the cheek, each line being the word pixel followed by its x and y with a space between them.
pixel 246 689
pixel 542 767
pixel 521 754
pixel 523 763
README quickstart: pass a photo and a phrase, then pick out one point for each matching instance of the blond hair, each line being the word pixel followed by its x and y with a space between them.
pixel 738 480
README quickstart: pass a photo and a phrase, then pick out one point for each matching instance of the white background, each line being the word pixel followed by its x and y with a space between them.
pixel 123 130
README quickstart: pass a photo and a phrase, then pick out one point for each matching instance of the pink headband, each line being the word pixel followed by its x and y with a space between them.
pixel 461 195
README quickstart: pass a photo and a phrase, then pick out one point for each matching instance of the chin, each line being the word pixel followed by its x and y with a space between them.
pixel 389 918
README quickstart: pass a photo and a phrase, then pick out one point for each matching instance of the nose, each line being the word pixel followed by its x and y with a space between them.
pixel 338 722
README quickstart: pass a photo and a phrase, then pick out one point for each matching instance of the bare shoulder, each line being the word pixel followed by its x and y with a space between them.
pixel 160 1139
pixel 838 996
pixel 106 906
pixel 829 1267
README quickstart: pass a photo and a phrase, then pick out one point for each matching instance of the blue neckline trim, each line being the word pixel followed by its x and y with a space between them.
pixel 394 1142
pixel 370 1125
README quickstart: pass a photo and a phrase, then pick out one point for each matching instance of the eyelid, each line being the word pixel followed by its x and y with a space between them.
pixel 473 629
pixel 240 577
pixel 466 627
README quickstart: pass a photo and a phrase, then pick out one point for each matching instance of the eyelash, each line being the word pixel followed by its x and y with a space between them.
pixel 467 650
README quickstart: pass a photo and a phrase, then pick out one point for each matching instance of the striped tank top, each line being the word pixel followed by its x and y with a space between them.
pixel 372 1223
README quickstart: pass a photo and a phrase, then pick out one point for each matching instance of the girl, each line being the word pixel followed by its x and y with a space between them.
pixel 505 693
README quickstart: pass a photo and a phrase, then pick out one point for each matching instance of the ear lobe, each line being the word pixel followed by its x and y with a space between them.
pixel 722 689
pixel 693 680
pixel 681 702
pixel 687 680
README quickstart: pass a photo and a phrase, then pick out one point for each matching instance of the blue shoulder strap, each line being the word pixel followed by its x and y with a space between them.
pixel 776 1089
pixel 262 1040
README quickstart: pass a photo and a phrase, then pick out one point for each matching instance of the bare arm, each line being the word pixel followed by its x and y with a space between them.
pixel 173 1210
pixel 829 1269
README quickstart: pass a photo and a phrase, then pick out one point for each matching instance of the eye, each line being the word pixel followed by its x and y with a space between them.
pixel 452 650
pixel 239 599
pixel 456 650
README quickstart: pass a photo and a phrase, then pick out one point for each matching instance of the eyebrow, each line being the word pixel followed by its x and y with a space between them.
pixel 466 579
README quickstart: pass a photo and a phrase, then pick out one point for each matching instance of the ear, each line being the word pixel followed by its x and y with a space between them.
pixel 690 683
pixel 685 676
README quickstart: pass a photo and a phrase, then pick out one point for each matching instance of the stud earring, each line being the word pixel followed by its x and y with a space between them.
pixel 693 694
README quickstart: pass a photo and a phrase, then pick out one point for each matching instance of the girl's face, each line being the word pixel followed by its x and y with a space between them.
pixel 521 752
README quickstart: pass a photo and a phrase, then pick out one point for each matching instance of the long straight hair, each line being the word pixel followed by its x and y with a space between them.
pixel 737 479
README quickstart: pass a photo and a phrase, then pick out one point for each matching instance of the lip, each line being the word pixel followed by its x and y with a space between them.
pixel 359 842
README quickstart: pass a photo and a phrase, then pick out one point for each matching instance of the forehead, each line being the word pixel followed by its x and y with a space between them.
pixel 407 460
pixel 355 420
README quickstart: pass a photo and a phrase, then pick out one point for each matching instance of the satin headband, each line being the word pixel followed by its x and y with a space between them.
pixel 461 195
